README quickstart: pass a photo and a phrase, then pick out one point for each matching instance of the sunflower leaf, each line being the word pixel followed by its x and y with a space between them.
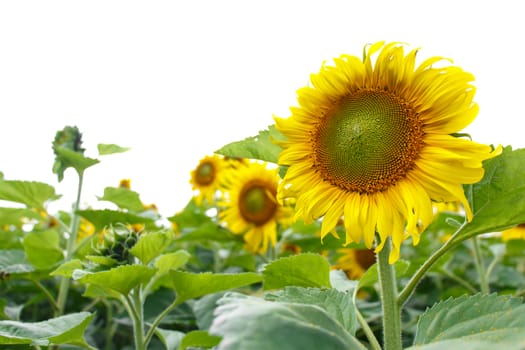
pixel 303 270
pixel 246 322
pixel 66 158
pixel 337 304
pixel 43 248
pixel 123 198
pixel 151 245
pixel 68 329
pixel 15 216
pixel 260 147
pixel 105 149
pixel 106 217
pixel 194 285
pixel 30 193
pixel 498 200
pixel 199 339
pixel 170 339
pixel 120 279
pixel 472 320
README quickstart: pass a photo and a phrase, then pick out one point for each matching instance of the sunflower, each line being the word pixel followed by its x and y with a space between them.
pixel 125 183
pixel 250 206
pixel 516 232
pixel 374 142
pixel 354 262
pixel 205 178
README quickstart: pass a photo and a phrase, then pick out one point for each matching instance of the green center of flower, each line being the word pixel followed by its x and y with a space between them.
pixel 257 204
pixel 205 173
pixel 367 142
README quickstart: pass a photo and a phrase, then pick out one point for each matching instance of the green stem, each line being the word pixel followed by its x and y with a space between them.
pixel 75 222
pixel 364 325
pixel 157 321
pixel 458 280
pixel 374 344
pixel 391 309
pixel 111 326
pixel 483 282
pixel 134 308
pixel 46 292
pixel 411 285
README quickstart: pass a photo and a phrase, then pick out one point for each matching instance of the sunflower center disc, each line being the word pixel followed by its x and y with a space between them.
pixel 205 174
pixel 367 142
pixel 365 258
pixel 256 205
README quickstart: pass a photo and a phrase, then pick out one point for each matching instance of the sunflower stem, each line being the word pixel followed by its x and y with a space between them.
pixel 374 344
pixel 388 292
pixel 75 223
pixel 480 267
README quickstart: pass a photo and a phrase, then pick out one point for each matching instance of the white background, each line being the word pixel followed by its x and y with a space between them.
pixel 177 80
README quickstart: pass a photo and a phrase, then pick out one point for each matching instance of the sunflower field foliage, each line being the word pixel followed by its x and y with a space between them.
pixel 364 220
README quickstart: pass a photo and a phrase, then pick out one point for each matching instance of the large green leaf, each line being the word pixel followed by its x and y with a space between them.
pixel 120 279
pixel 191 285
pixel 151 245
pixel 251 323
pixel 478 318
pixel 204 309
pixel 172 261
pixel 31 193
pixel 123 198
pixel 14 261
pixel 303 270
pixel 68 329
pixel 43 249
pixel 199 339
pixel 170 339
pixel 66 269
pixel 498 200
pixel 256 147
pixel 110 148
pixel 70 159
pixel 15 216
pixel 106 217
pixel 337 304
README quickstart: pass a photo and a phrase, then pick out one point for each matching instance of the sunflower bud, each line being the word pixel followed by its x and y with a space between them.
pixel 116 245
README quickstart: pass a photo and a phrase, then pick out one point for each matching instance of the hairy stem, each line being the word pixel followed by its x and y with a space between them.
pixel 480 267
pixel 391 309
pixel 75 222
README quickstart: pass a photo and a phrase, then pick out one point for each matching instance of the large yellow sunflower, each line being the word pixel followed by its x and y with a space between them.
pixel 372 141
pixel 354 262
pixel 205 178
pixel 250 206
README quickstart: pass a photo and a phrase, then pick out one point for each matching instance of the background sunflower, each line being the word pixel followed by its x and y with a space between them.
pixel 250 206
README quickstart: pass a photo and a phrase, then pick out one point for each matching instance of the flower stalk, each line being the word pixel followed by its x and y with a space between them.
pixel 73 232
pixel 388 291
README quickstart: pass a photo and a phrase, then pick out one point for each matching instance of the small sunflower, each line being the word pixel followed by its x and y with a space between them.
pixel 355 262
pixel 516 232
pixel 205 178
pixel 374 142
pixel 250 206
pixel 125 183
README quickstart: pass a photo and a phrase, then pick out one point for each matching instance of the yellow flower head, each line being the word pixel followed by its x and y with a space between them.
pixel 371 141
pixel 205 178
pixel 125 183
pixel 355 262
pixel 250 205
pixel 516 232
